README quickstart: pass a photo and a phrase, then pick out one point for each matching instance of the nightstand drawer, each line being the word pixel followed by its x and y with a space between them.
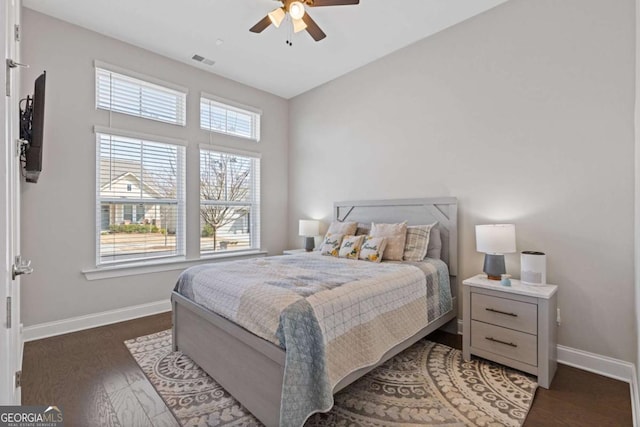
pixel 521 316
pixel 505 342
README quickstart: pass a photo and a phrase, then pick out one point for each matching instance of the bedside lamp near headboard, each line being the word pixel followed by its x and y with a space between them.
pixel 309 229
pixel 495 240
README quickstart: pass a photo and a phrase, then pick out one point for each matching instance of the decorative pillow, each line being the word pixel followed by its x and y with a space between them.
pixel 396 235
pixel 345 228
pixel 350 247
pixel 331 244
pixel 434 250
pixel 417 242
pixel 372 248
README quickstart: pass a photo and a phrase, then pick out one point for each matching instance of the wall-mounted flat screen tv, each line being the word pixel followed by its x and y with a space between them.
pixel 32 130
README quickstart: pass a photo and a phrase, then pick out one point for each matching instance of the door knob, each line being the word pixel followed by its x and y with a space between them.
pixel 21 266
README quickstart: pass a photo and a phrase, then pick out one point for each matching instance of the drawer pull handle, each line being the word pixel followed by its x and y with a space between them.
pixel 493 310
pixel 510 344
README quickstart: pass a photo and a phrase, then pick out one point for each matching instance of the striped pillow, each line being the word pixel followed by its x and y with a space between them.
pixel 417 242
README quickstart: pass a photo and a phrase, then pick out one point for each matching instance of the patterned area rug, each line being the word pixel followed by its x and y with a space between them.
pixel 427 384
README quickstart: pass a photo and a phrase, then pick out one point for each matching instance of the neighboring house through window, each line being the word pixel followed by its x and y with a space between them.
pixel 148 222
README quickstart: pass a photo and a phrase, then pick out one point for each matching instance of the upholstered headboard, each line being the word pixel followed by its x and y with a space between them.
pixel 415 212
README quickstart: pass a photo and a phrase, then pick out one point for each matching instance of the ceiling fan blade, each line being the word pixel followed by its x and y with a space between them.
pixel 317 3
pixel 313 29
pixel 261 26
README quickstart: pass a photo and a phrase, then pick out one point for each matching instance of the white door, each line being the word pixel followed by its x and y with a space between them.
pixel 10 330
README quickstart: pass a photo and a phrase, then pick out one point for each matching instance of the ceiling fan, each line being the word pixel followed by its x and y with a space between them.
pixel 300 19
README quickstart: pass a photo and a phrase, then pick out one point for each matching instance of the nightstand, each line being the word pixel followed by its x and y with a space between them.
pixel 293 251
pixel 515 326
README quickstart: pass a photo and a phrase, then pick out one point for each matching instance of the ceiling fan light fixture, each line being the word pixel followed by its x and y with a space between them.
pixel 298 25
pixel 296 10
pixel 277 16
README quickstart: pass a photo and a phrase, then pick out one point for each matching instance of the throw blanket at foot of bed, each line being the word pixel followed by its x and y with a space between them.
pixel 333 316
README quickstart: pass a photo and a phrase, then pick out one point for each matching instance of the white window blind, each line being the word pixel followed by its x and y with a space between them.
pixel 128 95
pixel 229 201
pixel 140 199
pixel 221 117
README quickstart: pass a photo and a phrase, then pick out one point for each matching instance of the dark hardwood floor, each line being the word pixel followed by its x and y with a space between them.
pixel 92 376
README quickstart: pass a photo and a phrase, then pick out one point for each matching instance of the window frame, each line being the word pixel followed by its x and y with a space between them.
pixel 254 204
pixel 147 81
pixel 180 200
pixel 234 106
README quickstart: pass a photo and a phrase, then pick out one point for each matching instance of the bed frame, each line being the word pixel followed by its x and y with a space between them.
pixel 250 368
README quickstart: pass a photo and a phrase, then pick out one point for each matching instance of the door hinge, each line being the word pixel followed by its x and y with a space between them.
pixel 8 312
pixel 18 379
pixel 16 32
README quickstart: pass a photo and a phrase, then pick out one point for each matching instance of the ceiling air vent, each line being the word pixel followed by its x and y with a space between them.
pixel 202 59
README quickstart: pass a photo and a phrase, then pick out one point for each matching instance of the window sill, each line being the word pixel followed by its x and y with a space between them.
pixel 134 269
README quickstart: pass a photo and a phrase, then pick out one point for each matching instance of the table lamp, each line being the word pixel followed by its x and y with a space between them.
pixel 495 240
pixel 309 229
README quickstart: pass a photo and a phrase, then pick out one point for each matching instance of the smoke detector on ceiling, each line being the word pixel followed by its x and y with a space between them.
pixel 203 60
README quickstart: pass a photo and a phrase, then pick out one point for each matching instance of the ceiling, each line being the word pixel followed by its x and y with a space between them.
pixel 356 35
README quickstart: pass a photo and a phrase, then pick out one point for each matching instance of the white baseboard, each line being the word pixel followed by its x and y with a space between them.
pixel 596 363
pixel 59 327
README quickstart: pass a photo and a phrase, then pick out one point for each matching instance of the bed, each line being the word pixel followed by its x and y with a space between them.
pixel 254 366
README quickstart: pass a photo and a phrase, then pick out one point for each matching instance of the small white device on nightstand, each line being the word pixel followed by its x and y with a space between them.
pixel 533 268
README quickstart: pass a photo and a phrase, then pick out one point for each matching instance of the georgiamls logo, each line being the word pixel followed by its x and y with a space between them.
pixel 30 416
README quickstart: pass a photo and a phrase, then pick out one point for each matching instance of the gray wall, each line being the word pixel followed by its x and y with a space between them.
pixel 58 213
pixel 525 113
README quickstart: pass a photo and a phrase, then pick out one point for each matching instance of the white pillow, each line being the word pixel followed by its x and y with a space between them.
pixel 417 242
pixel 372 248
pixel 396 235
pixel 350 247
pixel 331 244
pixel 347 228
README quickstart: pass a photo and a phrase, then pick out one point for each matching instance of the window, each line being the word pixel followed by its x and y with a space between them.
pixel 227 117
pixel 229 201
pixel 148 222
pixel 129 95
pixel 127 215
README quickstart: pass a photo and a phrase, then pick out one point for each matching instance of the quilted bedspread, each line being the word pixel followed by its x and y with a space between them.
pixel 332 315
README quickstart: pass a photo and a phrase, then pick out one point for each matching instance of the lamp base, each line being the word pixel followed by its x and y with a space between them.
pixel 309 243
pixel 494 266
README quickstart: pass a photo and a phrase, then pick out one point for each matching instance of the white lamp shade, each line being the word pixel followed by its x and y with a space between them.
pixel 277 16
pixel 496 239
pixel 298 25
pixel 309 228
